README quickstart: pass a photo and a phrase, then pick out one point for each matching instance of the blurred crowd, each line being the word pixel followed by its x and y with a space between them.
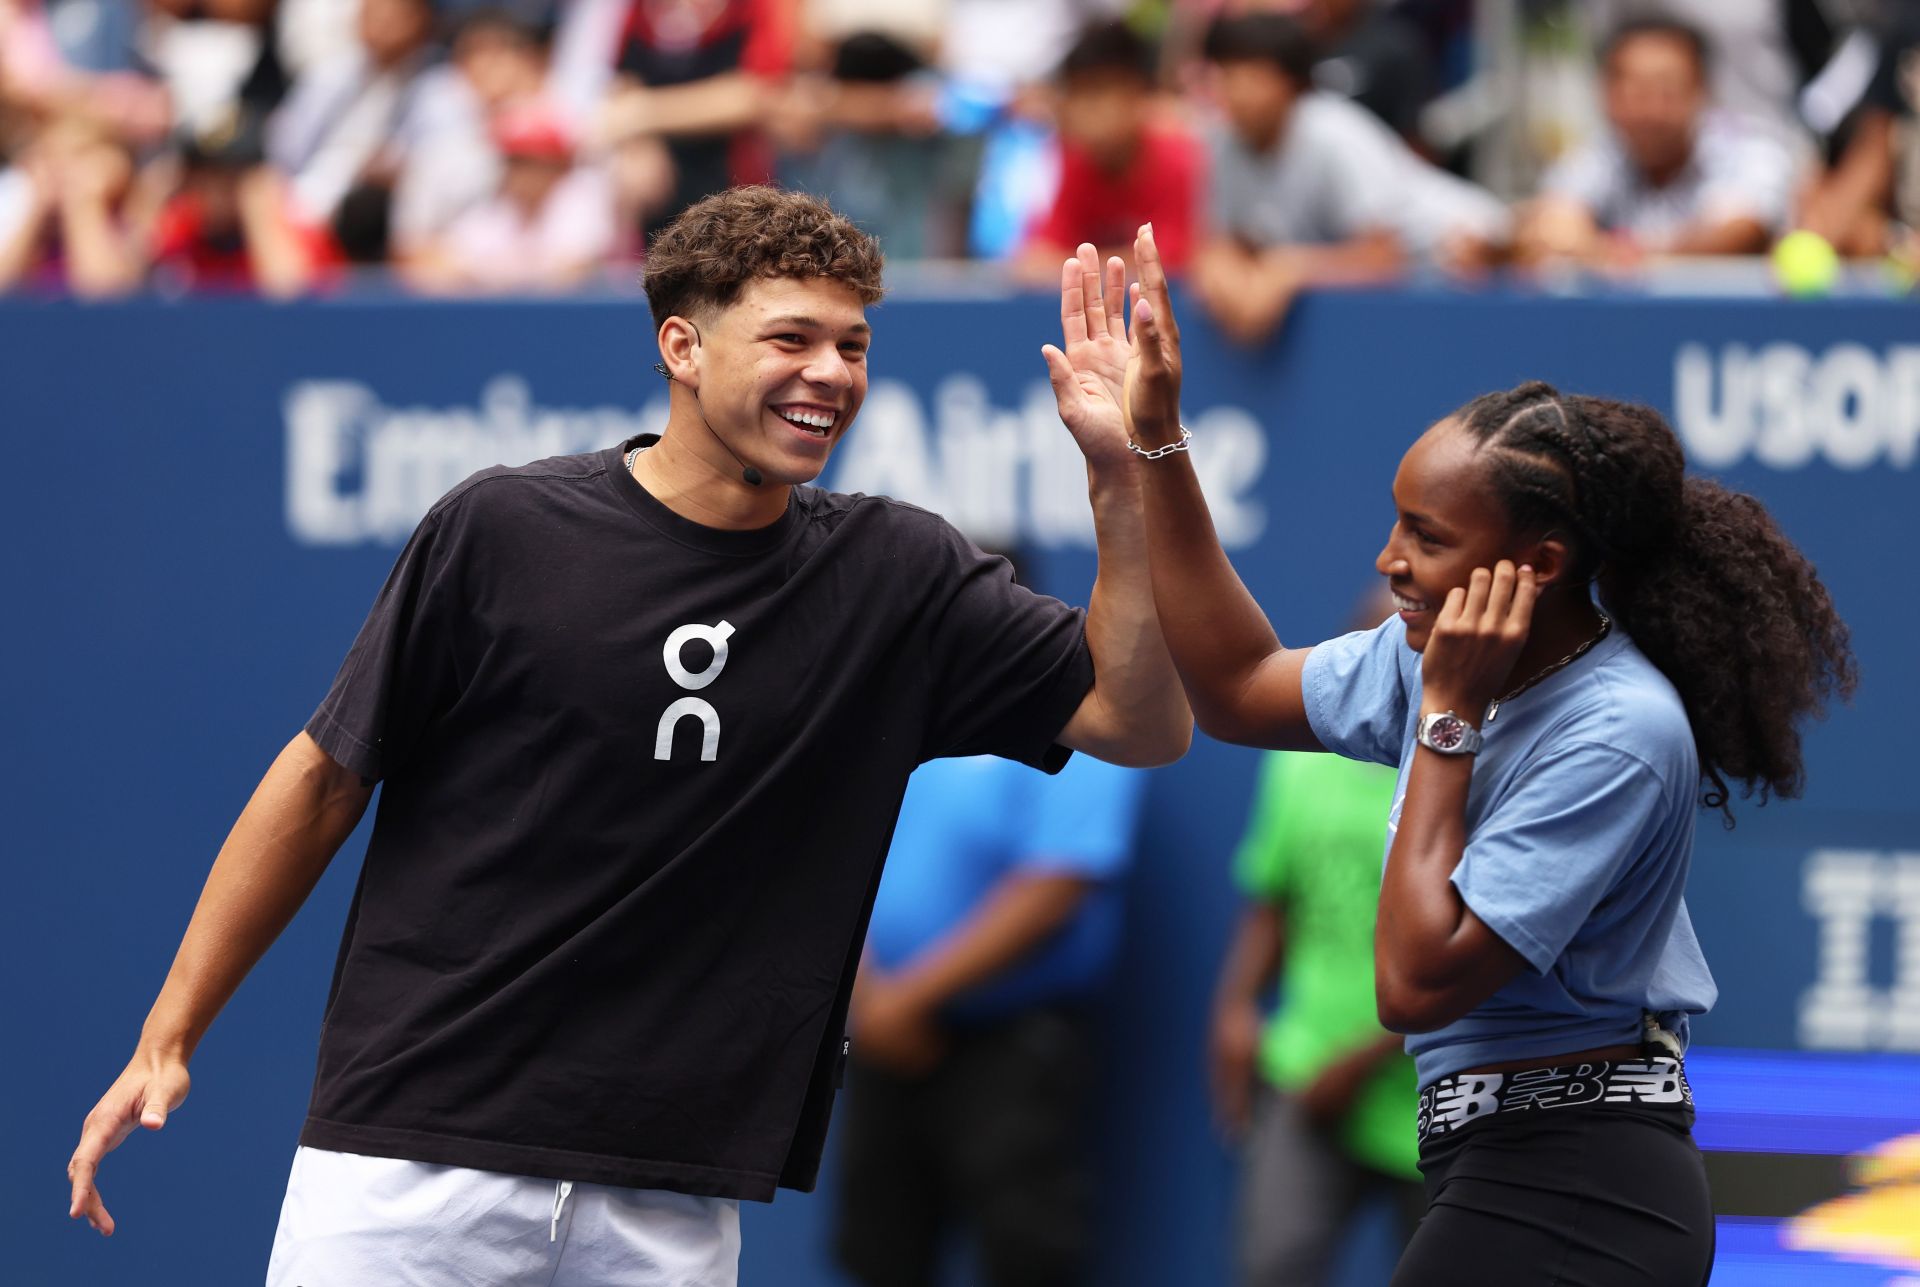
pixel 461 146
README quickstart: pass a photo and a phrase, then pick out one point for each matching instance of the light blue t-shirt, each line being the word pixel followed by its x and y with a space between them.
pixel 966 823
pixel 1579 834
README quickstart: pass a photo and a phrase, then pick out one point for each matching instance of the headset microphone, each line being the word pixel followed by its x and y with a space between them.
pixel 748 474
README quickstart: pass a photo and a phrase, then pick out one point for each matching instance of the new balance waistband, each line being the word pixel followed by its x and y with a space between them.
pixel 1454 1103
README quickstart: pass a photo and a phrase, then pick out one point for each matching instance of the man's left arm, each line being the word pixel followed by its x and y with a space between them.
pixel 1136 713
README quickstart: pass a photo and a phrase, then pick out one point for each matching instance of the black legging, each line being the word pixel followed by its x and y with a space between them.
pixel 1597 1196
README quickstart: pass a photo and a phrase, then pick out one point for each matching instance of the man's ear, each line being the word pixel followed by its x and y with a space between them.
pixel 679 343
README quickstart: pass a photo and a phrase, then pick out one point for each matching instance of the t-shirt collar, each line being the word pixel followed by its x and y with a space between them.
pixel 714 540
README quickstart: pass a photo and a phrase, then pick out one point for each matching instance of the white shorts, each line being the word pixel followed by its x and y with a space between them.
pixel 353 1221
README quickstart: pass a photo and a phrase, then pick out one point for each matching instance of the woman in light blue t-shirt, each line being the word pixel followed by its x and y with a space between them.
pixel 1589 647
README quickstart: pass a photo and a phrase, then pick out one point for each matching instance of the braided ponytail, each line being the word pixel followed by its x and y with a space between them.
pixel 1701 577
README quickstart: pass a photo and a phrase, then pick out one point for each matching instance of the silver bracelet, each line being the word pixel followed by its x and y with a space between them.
pixel 1186 439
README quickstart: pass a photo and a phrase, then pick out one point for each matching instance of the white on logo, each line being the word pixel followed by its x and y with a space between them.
pixel 1846 890
pixel 699 707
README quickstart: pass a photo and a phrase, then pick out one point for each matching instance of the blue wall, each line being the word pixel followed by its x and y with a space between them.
pixel 200 501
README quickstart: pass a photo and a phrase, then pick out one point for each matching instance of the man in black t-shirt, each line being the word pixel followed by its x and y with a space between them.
pixel 644 718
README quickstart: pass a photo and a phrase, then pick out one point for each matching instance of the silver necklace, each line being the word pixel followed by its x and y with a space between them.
pixel 1606 624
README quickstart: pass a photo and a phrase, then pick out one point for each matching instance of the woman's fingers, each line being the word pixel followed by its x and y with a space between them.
pixel 1479 588
pixel 1499 597
pixel 1146 334
pixel 1526 590
pixel 1153 280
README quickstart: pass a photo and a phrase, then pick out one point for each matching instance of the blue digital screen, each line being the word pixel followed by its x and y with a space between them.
pixel 1815 1163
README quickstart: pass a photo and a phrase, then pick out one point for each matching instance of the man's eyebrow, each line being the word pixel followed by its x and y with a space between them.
pixel 812 323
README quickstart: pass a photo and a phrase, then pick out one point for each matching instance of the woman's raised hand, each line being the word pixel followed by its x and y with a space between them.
pixel 1476 639
pixel 1152 382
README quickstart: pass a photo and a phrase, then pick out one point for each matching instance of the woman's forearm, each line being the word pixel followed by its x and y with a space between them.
pixel 1420 911
pixel 1242 684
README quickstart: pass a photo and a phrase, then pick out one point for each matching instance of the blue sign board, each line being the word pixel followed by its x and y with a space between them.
pixel 200 501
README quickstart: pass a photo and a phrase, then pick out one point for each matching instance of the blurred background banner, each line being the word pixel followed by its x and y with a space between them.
pixel 201 502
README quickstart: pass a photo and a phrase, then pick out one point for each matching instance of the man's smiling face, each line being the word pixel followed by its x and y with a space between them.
pixel 783 371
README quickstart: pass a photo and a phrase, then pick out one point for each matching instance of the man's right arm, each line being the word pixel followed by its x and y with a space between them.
pixel 303 810
pixel 1243 686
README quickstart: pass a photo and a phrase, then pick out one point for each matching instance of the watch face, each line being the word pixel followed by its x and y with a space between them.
pixel 1447 732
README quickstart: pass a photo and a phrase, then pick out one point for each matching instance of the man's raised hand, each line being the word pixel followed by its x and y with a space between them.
pixel 1090 373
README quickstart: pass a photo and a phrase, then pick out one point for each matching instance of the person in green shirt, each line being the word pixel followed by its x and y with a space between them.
pixel 1320 1097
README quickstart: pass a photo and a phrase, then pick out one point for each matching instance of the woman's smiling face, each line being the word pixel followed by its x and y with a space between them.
pixel 1447 522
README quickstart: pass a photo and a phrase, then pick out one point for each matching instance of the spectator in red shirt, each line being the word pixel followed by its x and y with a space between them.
pixel 227 226
pixel 1120 167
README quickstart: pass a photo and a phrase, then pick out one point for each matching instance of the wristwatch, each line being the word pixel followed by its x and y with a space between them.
pixel 1447 733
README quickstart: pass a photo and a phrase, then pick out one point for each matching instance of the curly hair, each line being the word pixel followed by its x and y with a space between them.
pixel 700 261
pixel 1703 580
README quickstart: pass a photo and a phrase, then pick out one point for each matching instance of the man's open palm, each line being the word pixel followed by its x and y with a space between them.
pixel 1089 375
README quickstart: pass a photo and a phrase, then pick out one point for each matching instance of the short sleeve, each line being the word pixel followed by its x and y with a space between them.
pixel 1549 851
pixel 1084 819
pixel 1008 667
pixel 1260 861
pixel 1174 198
pixel 1224 209
pixel 399 673
pixel 16 202
pixel 1357 694
pixel 1750 178
pixel 582 220
pixel 1065 220
pixel 1586 176
pixel 768 52
pixel 1365 172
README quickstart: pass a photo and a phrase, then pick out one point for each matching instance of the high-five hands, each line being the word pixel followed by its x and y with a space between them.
pixel 1111 384
pixel 1476 639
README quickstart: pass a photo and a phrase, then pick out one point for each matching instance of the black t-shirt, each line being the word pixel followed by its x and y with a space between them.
pixel 639 777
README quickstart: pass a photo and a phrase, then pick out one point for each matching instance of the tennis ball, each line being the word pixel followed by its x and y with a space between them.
pixel 1805 264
